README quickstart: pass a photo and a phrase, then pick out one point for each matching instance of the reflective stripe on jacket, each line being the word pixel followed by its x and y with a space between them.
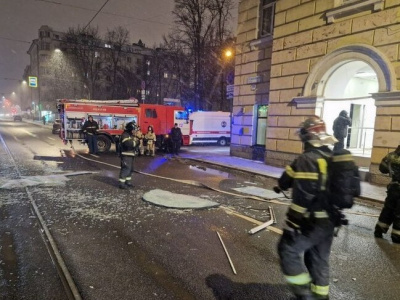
pixel 307 176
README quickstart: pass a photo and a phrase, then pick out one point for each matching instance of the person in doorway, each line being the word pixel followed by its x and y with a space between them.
pixel 90 128
pixel 305 245
pixel 151 141
pixel 176 138
pixel 340 129
pixel 390 214
pixel 127 147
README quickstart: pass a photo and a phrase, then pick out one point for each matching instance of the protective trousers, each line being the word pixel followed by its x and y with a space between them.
pixel 176 146
pixel 92 143
pixel 390 213
pixel 316 247
pixel 126 168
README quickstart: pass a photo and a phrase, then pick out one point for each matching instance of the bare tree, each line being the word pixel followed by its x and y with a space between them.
pixel 82 46
pixel 201 28
pixel 117 40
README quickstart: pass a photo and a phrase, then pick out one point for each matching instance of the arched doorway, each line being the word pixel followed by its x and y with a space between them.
pixel 345 79
pixel 348 86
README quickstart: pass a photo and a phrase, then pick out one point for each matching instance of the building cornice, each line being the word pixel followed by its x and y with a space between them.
pixel 353 8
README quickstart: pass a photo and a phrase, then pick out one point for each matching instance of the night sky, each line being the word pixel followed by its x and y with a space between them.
pixel 20 21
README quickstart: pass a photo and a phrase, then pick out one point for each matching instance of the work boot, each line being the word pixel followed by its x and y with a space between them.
pixel 378 232
pixel 128 184
pixel 122 186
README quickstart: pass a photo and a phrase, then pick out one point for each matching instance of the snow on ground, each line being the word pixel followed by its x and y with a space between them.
pixel 172 200
pixel 256 191
pixel 49 180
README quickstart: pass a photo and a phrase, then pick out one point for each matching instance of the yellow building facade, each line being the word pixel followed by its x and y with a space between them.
pixel 317 58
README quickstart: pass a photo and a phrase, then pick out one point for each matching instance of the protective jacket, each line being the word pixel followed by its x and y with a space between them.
pixel 176 134
pixel 390 213
pixel 128 143
pixel 340 126
pixel 150 137
pixel 307 175
pixel 90 127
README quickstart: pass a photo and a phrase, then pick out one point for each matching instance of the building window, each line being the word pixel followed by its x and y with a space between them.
pixel 107 46
pixel 165 75
pixel 267 10
pixel 44 46
pixel 44 34
pixel 148 73
pixel 262 118
pixel 43 58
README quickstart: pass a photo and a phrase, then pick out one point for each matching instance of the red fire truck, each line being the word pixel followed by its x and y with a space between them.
pixel 113 115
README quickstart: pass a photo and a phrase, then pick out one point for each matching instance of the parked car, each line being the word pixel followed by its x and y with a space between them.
pixel 17 118
pixel 56 126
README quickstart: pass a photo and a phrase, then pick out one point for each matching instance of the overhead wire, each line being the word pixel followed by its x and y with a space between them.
pixel 96 14
pixel 104 13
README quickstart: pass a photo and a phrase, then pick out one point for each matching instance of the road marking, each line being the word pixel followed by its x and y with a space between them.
pixel 15 138
pixel 51 138
pixel 31 134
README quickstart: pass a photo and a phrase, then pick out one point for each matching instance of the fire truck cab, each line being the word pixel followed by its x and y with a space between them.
pixel 113 115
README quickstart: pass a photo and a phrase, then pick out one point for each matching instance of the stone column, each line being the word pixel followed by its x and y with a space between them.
pixel 387 132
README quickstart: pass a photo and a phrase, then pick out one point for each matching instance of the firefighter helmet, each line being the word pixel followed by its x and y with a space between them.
pixel 130 126
pixel 313 131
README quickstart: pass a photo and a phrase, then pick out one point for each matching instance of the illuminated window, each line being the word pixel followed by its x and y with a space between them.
pixel 267 9
pixel 262 118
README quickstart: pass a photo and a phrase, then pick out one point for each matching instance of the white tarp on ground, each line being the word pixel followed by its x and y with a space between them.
pixel 52 179
pixel 172 200
pixel 260 192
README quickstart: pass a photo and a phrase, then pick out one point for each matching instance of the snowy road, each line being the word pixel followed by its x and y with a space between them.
pixel 118 246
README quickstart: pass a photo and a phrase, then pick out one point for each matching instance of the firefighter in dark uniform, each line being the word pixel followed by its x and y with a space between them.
pixel 340 129
pixel 90 128
pixel 128 143
pixel 305 245
pixel 390 213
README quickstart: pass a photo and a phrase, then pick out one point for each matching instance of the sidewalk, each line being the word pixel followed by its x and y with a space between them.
pixel 372 192
pixel 369 191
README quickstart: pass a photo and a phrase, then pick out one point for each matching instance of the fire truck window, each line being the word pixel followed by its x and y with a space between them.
pixel 151 113
pixel 181 115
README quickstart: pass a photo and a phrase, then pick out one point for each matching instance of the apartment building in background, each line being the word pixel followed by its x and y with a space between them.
pixel 58 79
pixel 299 58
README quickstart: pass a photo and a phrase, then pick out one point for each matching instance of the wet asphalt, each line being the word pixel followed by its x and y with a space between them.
pixel 117 246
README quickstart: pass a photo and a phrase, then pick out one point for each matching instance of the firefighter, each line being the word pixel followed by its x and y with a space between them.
pixel 127 145
pixel 305 245
pixel 90 129
pixel 390 213
pixel 151 140
pixel 176 138
pixel 140 137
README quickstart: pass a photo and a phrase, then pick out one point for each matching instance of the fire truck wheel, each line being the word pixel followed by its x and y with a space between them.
pixel 103 143
pixel 222 141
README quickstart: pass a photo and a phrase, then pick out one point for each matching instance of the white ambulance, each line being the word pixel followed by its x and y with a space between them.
pixel 210 127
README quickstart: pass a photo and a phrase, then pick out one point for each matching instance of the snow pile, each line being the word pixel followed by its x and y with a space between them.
pixel 25 181
pixel 172 200
pixel 260 192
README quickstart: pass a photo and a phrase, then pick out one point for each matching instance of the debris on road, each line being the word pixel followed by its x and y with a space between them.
pixel 227 254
